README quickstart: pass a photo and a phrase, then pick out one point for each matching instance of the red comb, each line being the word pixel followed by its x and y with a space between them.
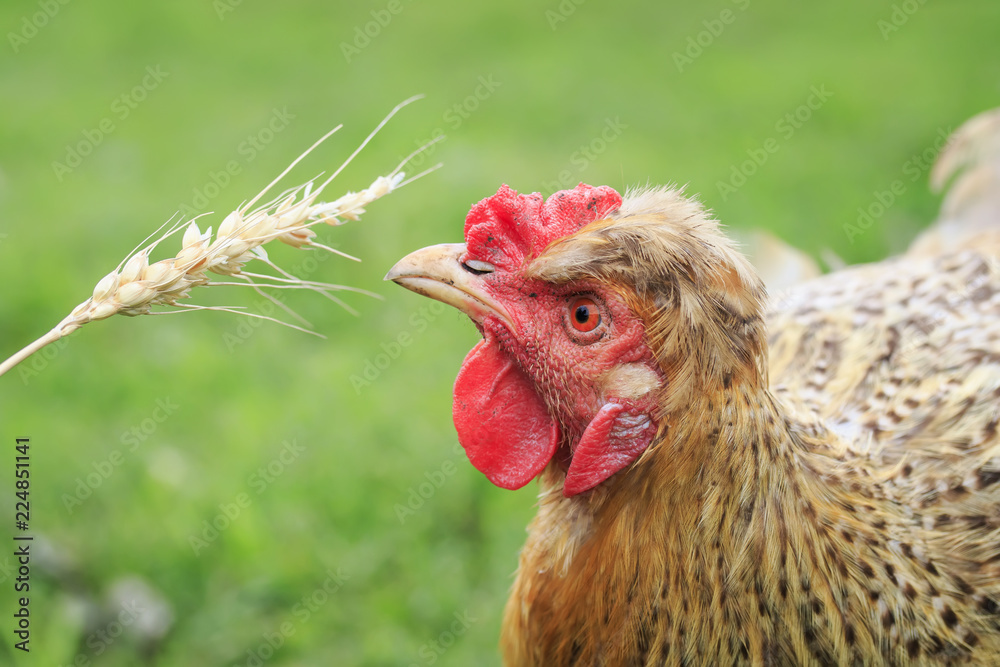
pixel 507 228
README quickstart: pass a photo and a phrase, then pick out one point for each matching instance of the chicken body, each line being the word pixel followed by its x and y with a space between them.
pixel 814 481
pixel 848 514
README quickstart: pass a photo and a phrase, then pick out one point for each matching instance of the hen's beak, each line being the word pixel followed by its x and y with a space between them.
pixel 438 272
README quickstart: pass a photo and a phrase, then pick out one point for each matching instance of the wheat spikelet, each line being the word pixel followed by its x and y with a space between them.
pixel 137 285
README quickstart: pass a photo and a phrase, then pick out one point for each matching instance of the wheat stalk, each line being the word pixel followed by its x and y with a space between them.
pixel 136 285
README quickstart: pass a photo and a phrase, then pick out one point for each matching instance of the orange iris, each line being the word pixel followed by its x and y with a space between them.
pixel 584 314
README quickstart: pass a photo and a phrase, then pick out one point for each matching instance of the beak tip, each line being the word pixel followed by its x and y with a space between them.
pixel 393 274
pixel 416 264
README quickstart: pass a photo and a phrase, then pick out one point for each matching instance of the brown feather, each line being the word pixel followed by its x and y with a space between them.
pixel 838 503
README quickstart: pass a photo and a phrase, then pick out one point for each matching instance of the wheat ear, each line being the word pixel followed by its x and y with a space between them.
pixel 136 285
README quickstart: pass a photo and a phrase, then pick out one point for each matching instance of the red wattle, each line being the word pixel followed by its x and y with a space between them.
pixel 501 421
pixel 614 439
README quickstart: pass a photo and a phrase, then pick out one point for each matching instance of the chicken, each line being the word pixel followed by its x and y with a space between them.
pixel 724 481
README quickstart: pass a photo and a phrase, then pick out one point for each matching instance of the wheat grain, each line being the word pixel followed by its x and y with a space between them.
pixel 136 286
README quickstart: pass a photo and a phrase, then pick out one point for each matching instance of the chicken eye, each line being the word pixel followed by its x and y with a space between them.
pixel 584 314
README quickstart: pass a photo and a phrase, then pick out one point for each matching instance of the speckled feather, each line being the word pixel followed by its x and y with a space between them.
pixel 825 484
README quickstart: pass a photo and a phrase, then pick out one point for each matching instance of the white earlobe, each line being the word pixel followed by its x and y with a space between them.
pixel 630 381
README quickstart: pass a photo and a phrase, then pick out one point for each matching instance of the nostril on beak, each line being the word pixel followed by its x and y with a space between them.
pixel 477 268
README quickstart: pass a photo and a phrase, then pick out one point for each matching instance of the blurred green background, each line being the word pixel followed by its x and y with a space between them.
pixel 145 431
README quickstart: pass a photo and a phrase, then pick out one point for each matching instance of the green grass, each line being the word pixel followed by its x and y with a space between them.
pixel 365 447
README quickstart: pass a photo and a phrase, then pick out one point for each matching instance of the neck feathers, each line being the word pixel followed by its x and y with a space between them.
pixel 729 541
